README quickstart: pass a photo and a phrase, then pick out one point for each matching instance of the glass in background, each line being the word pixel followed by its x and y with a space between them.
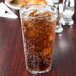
pixel 59 7
pixel 68 12
pixel 59 27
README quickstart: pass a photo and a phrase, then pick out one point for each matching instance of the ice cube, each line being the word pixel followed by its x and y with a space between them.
pixel 33 13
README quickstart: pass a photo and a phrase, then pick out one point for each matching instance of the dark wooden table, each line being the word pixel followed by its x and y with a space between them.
pixel 12 61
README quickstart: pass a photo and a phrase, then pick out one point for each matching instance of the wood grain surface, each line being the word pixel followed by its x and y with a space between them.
pixel 12 62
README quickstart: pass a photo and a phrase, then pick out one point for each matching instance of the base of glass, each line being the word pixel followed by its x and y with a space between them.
pixel 67 22
pixel 58 29
pixel 38 72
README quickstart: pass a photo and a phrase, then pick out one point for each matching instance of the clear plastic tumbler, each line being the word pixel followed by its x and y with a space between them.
pixel 38 23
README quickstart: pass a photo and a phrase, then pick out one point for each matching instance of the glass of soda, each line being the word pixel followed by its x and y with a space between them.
pixel 38 23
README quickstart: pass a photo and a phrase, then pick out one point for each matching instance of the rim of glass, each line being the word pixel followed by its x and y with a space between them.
pixel 40 5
